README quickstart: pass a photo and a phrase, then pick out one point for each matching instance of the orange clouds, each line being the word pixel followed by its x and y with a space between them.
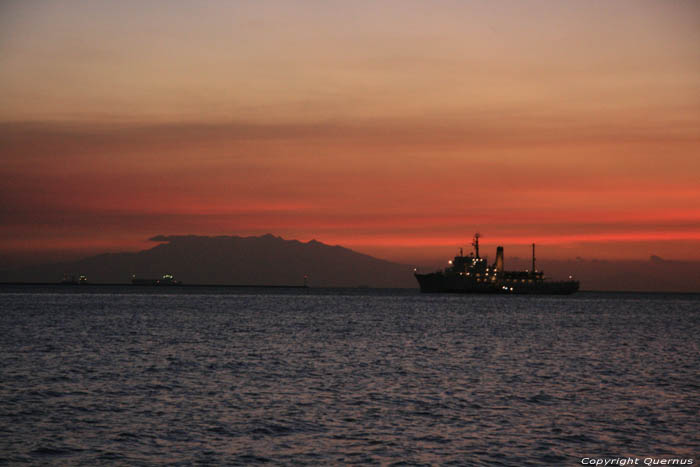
pixel 365 189
pixel 391 127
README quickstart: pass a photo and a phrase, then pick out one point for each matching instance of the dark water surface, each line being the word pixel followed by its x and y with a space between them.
pixel 338 377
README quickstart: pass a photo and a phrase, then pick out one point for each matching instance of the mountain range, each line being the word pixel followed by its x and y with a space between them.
pixel 263 260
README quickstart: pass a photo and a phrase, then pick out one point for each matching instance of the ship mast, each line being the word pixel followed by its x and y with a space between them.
pixel 533 258
pixel 475 243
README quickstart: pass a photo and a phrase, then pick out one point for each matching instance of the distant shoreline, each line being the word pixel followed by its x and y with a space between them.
pixel 168 286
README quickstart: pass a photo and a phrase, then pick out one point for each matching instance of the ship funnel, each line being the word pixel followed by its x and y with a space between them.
pixel 499 259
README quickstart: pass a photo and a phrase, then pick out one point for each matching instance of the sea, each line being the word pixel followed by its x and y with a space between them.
pixel 168 375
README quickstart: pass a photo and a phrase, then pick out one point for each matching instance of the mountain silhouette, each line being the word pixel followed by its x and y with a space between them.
pixel 263 260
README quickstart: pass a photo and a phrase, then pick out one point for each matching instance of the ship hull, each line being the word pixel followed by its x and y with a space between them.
pixel 158 282
pixel 442 283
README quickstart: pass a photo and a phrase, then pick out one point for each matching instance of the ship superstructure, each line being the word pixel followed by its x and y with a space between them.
pixel 473 274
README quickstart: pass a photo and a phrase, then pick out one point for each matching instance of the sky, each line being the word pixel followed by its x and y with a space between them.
pixel 395 128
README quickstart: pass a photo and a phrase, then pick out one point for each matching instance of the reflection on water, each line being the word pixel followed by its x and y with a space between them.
pixel 342 378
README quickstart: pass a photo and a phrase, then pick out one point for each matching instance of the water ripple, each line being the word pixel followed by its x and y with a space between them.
pixel 371 378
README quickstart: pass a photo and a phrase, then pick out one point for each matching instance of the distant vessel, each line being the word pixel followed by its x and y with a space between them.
pixel 473 274
pixel 73 279
pixel 167 279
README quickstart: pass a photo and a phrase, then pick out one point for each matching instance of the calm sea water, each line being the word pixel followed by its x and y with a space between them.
pixel 336 377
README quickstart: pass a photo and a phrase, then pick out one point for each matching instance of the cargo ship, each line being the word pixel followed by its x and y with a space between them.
pixel 167 279
pixel 73 279
pixel 473 274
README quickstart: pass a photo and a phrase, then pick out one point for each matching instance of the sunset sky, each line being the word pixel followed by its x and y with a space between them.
pixel 396 128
